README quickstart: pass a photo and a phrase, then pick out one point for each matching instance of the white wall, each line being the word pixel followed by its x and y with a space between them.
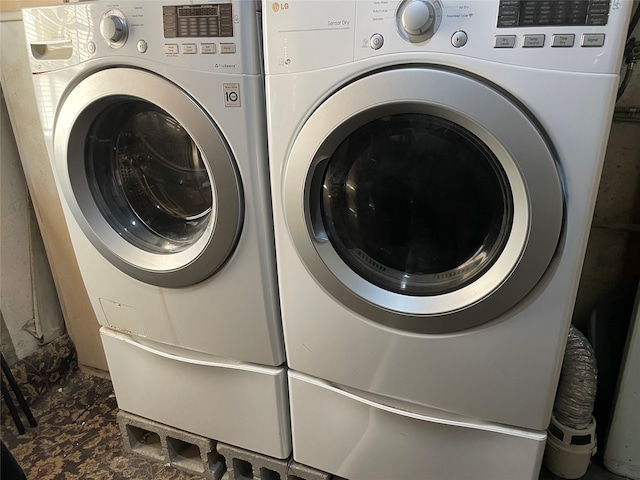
pixel 17 88
pixel 16 293
pixel 612 262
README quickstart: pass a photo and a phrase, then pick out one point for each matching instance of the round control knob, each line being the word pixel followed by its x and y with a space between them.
pixel 417 20
pixel 417 17
pixel 114 28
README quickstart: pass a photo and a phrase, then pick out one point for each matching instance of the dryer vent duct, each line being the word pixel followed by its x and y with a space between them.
pixel 571 439
pixel 578 381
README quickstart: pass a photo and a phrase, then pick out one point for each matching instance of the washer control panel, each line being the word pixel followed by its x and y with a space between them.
pixel 210 35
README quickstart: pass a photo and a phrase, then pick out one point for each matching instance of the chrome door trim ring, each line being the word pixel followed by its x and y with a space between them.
pixel 213 248
pixel 515 140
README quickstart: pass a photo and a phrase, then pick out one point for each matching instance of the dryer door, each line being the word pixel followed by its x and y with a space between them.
pixel 148 177
pixel 424 199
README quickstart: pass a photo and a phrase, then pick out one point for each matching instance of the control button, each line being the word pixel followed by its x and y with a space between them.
pixel 592 40
pixel 142 46
pixel 504 41
pixel 208 47
pixel 533 41
pixel 376 41
pixel 91 47
pixel 171 48
pixel 189 48
pixel 227 48
pixel 562 40
pixel 459 39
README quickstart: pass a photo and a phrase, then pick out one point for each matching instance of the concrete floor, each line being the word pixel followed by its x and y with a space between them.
pixel 595 472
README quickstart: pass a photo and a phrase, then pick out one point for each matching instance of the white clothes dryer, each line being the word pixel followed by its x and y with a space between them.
pixel 434 168
pixel 153 114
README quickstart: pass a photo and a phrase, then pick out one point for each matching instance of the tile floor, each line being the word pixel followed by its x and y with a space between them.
pixel 77 436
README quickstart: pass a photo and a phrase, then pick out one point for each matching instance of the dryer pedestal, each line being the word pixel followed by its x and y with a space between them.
pixel 358 438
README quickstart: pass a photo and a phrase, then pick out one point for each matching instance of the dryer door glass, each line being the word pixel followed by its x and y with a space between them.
pixel 147 177
pixel 416 204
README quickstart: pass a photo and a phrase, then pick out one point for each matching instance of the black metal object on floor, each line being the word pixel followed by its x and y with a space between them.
pixel 6 372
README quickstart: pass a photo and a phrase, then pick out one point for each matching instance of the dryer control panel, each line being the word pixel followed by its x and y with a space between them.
pixel 565 35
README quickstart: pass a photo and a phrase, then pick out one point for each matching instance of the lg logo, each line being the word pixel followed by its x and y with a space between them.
pixel 277 6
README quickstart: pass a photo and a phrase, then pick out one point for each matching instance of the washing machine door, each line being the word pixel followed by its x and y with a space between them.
pixel 148 177
pixel 424 199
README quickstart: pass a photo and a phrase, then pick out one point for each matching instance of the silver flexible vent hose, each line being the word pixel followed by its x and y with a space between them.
pixel 578 381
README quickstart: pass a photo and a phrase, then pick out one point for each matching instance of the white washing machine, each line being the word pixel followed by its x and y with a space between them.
pixel 434 168
pixel 153 114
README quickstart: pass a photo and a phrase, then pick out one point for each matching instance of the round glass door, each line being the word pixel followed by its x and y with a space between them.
pixel 416 204
pixel 423 199
pixel 148 177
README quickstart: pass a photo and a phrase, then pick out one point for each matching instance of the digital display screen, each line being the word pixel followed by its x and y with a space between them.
pixel 535 13
pixel 197 11
pixel 189 21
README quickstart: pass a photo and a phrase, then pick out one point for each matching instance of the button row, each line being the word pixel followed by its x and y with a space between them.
pixel 192 48
pixel 557 40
